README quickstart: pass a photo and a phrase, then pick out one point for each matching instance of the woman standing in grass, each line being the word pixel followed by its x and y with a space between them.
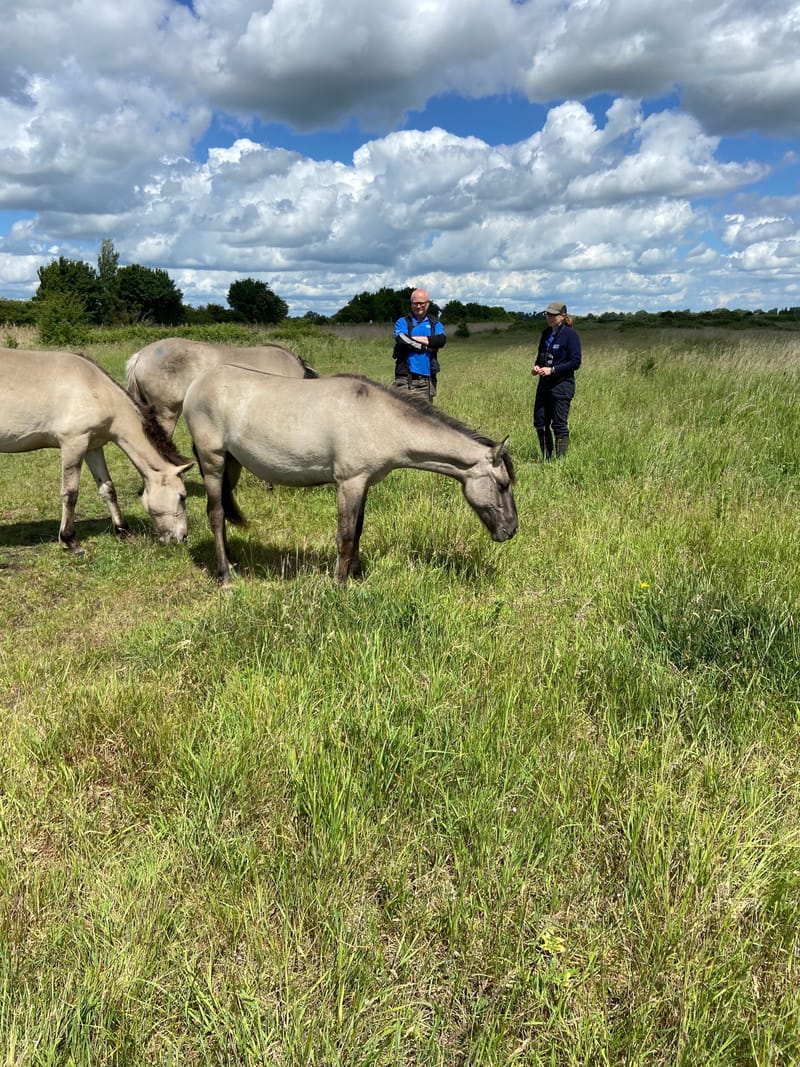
pixel 557 359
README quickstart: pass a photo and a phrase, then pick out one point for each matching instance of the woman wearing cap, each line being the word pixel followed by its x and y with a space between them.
pixel 558 358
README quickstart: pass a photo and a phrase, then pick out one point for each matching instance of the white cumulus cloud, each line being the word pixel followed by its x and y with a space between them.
pixel 644 166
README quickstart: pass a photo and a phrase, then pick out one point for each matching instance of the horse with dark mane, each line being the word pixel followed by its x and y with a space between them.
pixel 344 430
pixel 160 373
pixel 66 401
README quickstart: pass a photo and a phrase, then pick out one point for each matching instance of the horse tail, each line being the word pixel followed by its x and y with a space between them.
pixel 131 381
pixel 230 477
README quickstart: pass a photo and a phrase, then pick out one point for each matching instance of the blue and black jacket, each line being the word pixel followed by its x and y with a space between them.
pixel 407 360
pixel 560 350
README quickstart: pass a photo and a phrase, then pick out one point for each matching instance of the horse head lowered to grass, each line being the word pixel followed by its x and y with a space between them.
pixel 159 374
pixel 63 400
pixel 344 430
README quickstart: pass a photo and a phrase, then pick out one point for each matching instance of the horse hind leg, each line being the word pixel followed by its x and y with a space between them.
pixel 218 481
pixel 216 520
pixel 96 462
pixel 230 479
pixel 167 419
pixel 351 502
pixel 355 560
pixel 166 414
pixel 71 461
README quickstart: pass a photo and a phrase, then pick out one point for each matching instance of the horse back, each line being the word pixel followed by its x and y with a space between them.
pixel 291 431
pixel 183 359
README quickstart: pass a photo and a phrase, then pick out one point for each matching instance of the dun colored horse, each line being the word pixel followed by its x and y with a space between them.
pixel 63 400
pixel 344 430
pixel 160 373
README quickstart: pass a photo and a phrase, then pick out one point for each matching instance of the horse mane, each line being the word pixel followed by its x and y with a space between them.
pixel 150 424
pixel 154 432
pixel 421 407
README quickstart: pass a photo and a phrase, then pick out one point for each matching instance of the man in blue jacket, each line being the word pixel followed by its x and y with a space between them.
pixel 557 359
pixel 417 340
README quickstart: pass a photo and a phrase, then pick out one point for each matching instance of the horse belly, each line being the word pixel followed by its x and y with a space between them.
pixel 26 440
pixel 284 466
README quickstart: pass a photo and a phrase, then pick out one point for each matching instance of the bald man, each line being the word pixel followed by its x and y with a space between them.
pixel 417 340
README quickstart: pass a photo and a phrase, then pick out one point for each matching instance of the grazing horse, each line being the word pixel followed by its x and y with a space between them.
pixel 160 373
pixel 345 430
pixel 63 400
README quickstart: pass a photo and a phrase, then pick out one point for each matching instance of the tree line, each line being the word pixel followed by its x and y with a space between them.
pixel 388 305
pixel 73 296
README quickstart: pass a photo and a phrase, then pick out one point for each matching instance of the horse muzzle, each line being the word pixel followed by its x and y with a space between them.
pixel 504 533
pixel 173 537
pixel 504 527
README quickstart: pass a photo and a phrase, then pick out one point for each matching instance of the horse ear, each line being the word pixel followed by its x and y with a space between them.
pixel 184 467
pixel 498 450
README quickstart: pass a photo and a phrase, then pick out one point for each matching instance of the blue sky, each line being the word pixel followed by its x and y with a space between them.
pixel 619 157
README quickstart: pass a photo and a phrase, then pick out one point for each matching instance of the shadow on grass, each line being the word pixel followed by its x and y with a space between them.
pixel 262 561
pixel 463 566
pixel 256 561
pixel 46 530
pixel 194 486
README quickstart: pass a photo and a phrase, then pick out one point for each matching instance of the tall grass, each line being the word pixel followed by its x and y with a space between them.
pixel 534 803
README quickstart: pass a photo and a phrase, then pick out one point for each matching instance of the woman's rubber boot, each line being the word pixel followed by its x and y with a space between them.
pixel 545 443
pixel 562 444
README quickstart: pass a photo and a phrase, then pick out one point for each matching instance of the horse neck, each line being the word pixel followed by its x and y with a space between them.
pixel 127 431
pixel 442 449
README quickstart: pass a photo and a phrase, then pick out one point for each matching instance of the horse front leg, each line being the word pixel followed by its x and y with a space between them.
pixel 351 500
pixel 216 518
pixel 215 509
pixel 71 460
pixel 96 462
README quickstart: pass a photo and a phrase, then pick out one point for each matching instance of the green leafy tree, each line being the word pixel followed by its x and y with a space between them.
pixel 108 283
pixel 206 314
pixel 74 277
pixel 478 313
pixel 149 295
pixel 359 309
pixel 454 311
pixel 17 312
pixel 387 305
pixel 256 302
pixel 62 320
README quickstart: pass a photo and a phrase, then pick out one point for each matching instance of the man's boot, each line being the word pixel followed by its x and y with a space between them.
pixel 562 444
pixel 545 443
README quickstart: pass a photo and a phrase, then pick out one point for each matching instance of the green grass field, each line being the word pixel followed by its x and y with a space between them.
pixel 532 803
